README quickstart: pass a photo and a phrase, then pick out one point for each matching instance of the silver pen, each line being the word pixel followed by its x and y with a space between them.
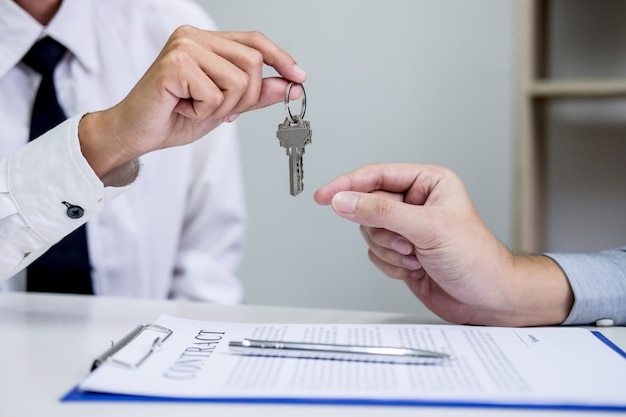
pixel 252 347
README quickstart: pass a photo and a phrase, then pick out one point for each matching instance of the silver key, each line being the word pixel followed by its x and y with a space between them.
pixel 294 134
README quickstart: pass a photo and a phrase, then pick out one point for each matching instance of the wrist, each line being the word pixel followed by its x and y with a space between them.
pixel 97 144
pixel 540 291
pixel 100 149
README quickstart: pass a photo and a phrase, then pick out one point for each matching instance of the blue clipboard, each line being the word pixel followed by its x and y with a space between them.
pixel 76 395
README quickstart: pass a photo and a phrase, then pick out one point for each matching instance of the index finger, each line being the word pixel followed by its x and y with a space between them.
pixel 393 178
pixel 273 56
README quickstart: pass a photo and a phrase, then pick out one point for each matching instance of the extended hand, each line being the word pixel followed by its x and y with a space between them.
pixel 422 227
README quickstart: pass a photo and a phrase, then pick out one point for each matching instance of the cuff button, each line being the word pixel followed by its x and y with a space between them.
pixel 73 212
pixel 604 323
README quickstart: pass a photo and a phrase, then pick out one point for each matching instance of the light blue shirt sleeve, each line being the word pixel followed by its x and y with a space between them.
pixel 598 281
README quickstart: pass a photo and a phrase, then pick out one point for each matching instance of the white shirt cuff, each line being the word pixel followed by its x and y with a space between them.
pixel 50 174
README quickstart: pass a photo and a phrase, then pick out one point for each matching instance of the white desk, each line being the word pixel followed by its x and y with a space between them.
pixel 48 343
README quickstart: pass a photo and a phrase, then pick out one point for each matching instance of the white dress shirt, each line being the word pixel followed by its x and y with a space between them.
pixel 177 229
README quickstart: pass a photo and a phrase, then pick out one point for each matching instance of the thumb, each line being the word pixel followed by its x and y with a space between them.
pixel 375 210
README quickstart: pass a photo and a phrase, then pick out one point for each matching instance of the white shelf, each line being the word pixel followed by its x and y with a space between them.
pixel 577 88
pixel 530 139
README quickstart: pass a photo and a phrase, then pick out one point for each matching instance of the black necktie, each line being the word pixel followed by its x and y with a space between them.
pixel 65 267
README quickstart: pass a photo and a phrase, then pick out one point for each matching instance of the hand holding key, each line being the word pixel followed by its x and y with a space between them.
pixel 294 134
pixel 199 80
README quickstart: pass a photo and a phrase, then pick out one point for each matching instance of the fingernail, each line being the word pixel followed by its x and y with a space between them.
pixel 299 70
pixel 402 246
pixel 231 117
pixel 345 202
pixel 411 262
pixel 417 274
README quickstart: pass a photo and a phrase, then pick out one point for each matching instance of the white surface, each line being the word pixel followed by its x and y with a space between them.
pixel 49 342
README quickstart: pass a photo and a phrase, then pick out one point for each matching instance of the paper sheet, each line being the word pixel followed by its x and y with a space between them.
pixel 508 366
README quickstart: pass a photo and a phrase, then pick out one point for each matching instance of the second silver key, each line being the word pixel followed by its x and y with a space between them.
pixel 294 134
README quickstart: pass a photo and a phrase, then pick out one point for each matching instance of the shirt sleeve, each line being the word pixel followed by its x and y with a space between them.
pixel 47 190
pixel 598 281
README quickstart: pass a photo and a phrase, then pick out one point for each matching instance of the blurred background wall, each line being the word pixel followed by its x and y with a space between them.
pixel 428 81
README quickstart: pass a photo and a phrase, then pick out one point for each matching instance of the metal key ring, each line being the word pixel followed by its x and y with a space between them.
pixel 302 110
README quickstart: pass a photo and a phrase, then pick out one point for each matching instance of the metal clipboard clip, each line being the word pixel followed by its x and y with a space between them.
pixel 141 330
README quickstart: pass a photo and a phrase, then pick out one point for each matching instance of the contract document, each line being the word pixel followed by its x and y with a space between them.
pixel 551 367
